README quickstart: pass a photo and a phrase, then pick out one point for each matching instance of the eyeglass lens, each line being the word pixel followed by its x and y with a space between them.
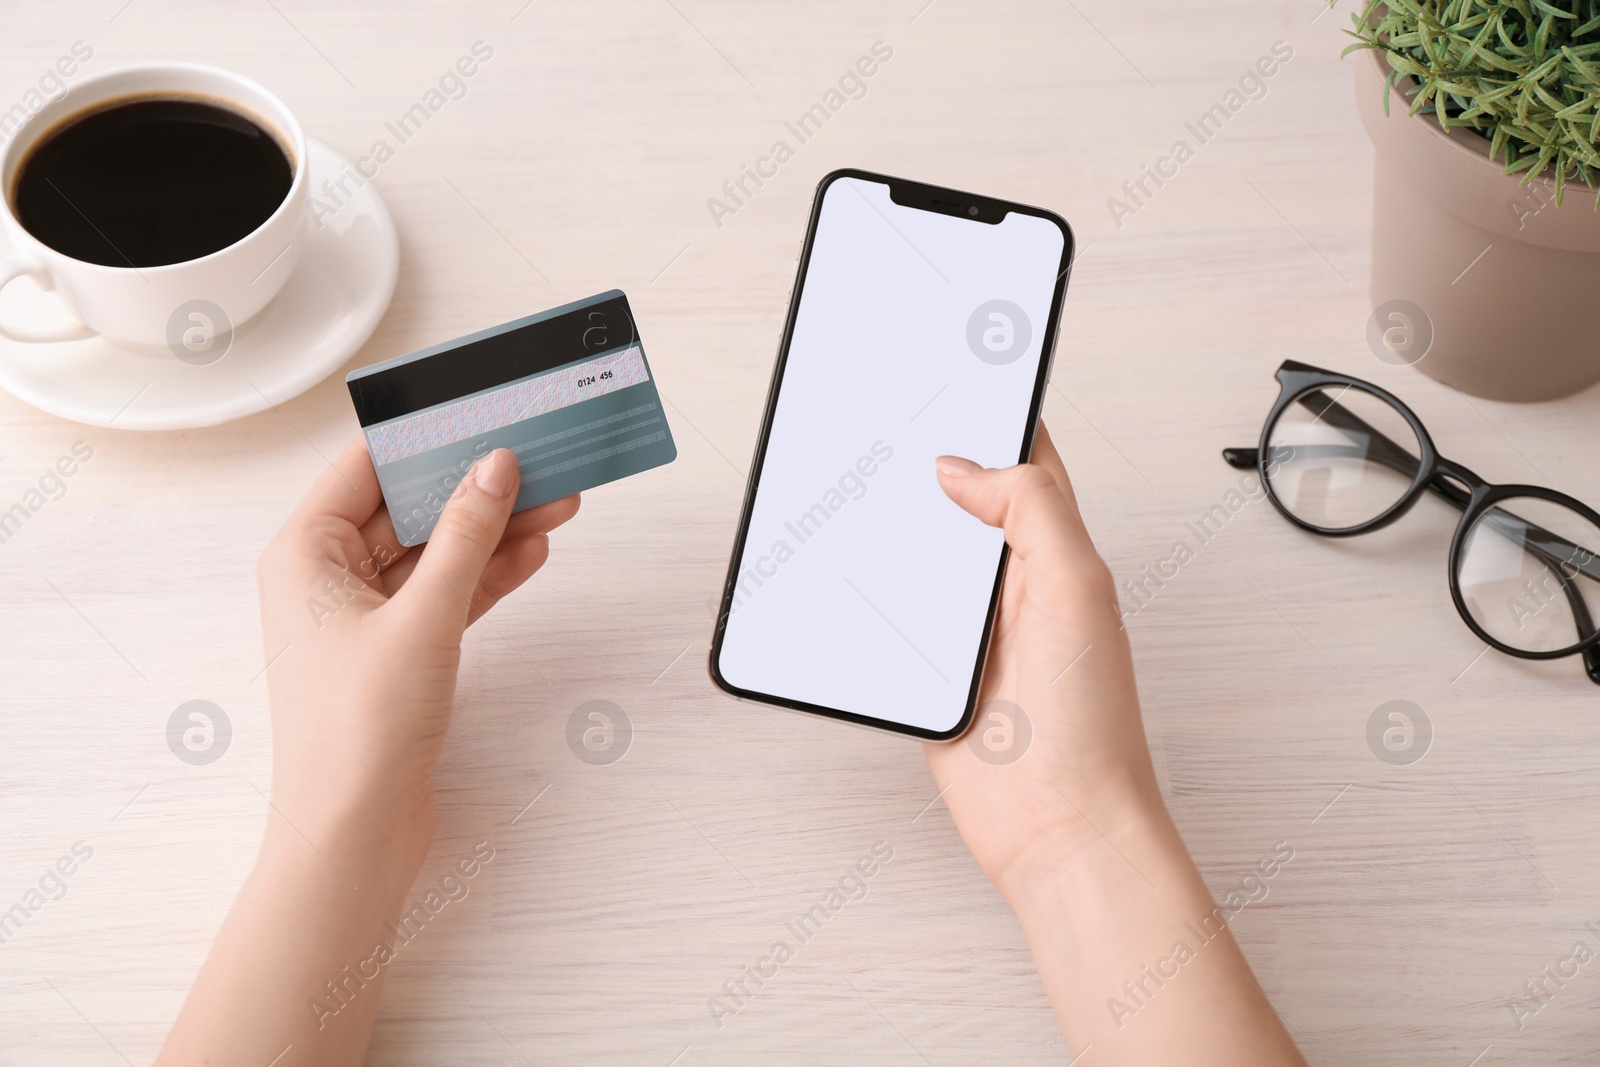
pixel 1529 573
pixel 1338 457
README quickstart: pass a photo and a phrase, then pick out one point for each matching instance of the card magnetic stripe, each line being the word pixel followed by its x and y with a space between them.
pixel 504 405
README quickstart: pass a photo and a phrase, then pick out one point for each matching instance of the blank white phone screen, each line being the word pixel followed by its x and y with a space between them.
pixel 862 588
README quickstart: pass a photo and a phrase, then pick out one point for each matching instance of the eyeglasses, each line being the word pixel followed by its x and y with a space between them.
pixel 1339 456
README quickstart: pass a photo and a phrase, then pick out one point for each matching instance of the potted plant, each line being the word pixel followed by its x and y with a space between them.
pixel 1486 243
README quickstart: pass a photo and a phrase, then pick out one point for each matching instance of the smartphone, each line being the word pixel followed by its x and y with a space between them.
pixel 922 323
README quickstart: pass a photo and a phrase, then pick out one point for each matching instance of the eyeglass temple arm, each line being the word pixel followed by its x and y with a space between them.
pixel 1248 459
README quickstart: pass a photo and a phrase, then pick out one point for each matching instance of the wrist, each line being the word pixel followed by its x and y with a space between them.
pixel 1092 842
pixel 382 845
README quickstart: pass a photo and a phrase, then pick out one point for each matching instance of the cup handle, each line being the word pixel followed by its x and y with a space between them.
pixel 14 267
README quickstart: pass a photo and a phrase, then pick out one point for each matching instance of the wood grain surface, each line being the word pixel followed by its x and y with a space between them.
pixel 1420 898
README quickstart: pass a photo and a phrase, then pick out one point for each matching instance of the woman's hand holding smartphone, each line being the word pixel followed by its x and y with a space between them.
pixel 1059 658
pixel 1073 831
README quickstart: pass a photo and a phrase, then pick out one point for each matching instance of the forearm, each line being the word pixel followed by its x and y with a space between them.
pixel 297 971
pixel 1136 957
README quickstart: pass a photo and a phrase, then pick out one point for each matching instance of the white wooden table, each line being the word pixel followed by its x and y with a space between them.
pixel 1420 898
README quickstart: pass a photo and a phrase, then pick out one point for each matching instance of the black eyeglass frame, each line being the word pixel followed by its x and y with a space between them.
pixel 1445 478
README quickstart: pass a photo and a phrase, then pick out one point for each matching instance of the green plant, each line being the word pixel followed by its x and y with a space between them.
pixel 1524 73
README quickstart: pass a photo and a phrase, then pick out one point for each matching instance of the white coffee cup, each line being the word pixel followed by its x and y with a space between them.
pixel 178 305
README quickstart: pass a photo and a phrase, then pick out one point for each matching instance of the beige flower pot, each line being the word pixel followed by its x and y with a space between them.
pixel 1507 281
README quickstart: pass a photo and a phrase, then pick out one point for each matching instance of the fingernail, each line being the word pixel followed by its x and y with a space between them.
pixel 497 473
pixel 955 466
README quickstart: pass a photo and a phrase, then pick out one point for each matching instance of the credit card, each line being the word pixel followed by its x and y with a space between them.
pixel 568 390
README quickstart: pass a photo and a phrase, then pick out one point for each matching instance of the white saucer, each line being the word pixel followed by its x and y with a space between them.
pixel 327 310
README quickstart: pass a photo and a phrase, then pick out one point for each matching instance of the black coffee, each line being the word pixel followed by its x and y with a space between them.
pixel 148 182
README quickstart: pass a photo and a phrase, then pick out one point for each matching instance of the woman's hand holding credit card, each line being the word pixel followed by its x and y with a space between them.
pixel 568 391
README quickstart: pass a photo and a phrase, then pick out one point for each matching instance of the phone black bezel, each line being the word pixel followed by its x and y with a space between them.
pixel 931 198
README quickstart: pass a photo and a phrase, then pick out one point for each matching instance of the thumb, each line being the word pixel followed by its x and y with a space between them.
pixel 445 582
pixel 1041 523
